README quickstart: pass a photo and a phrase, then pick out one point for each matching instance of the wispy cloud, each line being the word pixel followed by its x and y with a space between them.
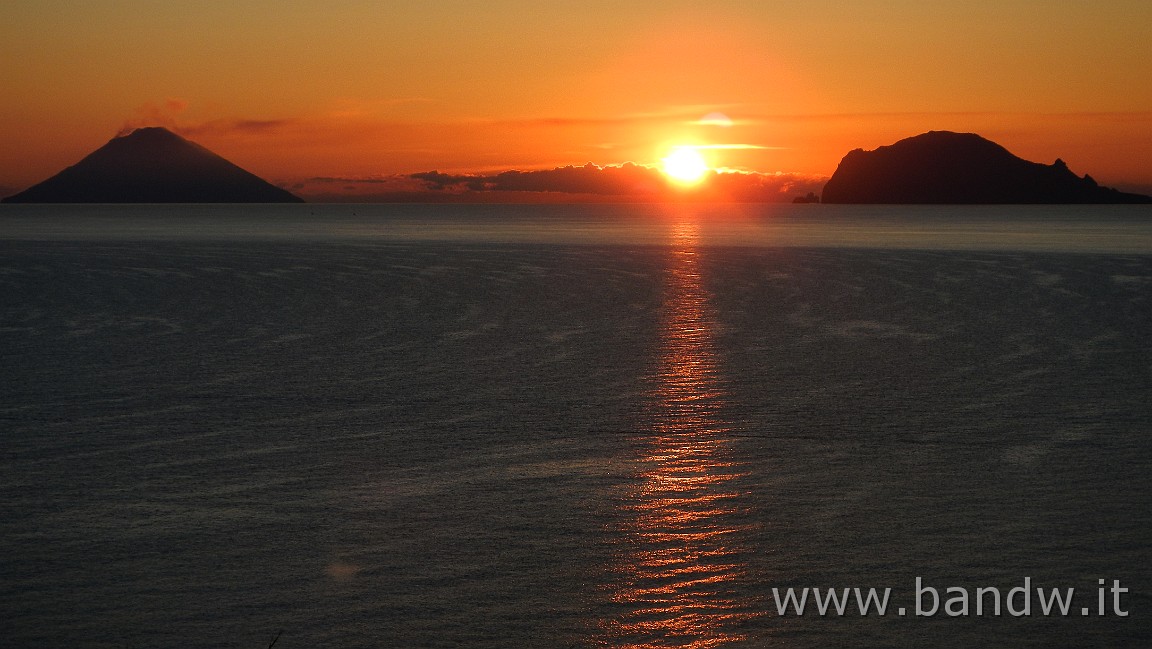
pixel 715 119
pixel 944 115
pixel 162 113
pixel 172 114
pixel 237 126
pixel 693 115
pixel 737 147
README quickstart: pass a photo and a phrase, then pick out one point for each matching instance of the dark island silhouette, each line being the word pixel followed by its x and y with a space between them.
pixel 153 165
pixel 941 167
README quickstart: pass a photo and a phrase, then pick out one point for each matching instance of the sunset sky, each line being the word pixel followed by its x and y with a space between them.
pixel 356 91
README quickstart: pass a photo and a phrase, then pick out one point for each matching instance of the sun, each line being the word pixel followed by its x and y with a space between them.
pixel 685 165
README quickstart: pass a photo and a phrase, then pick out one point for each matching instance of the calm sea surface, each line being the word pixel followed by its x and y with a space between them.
pixel 573 426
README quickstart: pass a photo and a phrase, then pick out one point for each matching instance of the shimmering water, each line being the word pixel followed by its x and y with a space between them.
pixel 611 426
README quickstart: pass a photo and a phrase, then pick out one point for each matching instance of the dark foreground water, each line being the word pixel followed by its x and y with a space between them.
pixel 573 427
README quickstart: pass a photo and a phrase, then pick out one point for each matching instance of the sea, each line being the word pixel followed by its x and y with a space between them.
pixel 602 426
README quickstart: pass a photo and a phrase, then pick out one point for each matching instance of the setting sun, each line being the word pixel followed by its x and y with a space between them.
pixel 685 165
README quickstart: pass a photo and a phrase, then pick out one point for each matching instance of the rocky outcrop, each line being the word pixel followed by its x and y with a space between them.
pixel 942 167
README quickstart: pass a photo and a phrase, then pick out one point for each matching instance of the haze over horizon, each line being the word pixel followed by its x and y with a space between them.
pixel 349 95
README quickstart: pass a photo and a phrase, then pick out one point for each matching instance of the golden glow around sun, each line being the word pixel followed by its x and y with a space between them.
pixel 685 165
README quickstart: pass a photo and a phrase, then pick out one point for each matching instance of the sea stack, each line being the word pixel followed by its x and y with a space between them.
pixel 941 167
pixel 153 165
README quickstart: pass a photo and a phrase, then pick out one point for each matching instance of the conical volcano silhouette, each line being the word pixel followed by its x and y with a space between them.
pixel 153 165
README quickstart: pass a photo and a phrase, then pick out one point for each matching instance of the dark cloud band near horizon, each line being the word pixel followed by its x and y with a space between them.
pixel 626 180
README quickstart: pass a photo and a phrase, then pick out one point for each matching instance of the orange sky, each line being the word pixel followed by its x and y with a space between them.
pixel 292 89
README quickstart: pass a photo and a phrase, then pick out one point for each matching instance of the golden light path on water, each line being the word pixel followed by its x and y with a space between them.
pixel 680 573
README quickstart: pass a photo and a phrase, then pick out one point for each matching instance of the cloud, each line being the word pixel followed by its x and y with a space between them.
pixel 627 181
pixel 624 180
pixel 170 114
pixel 715 119
pixel 766 187
pixel 155 114
pixel 737 147
pixel 590 183
pixel 672 115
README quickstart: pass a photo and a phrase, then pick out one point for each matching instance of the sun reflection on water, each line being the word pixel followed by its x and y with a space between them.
pixel 680 578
